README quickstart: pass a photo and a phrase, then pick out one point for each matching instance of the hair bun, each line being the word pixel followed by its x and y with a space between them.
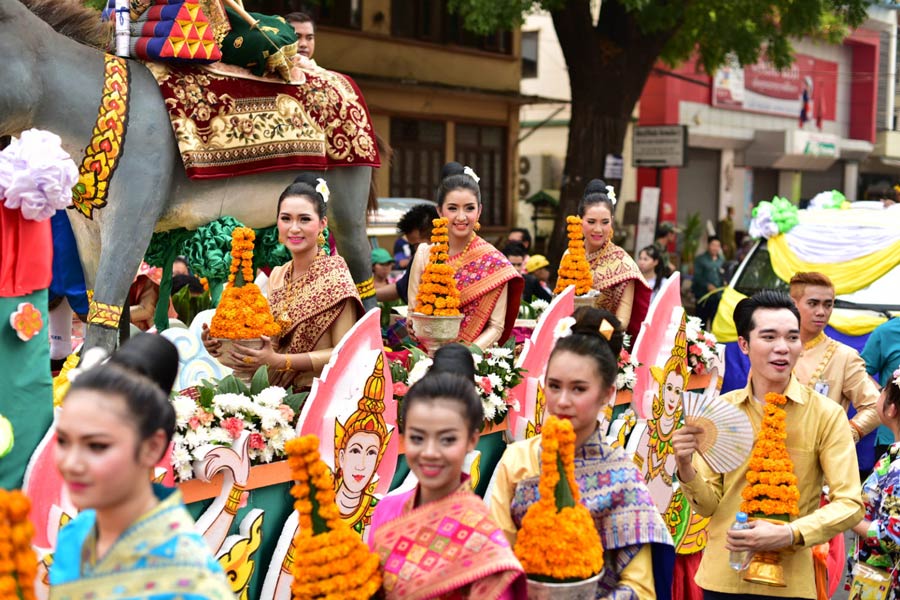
pixel 595 186
pixel 451 168
pixel 588 321
pixel 454 358
pixel 152 356
pixel 307 178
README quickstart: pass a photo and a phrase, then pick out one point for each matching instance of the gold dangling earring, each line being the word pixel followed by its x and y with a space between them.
pixel 477 227
pixel 320 240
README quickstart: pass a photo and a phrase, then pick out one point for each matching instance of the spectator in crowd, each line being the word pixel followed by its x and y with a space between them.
pixel 707 280
pixel 382 263
pixel 652 268
pixel 538 265
pixel 522 236
pixel 666 238
pixel 181 266
pixel 415 225
pixel 726 233
pixel 820 445
pixel 882 355
pixel 516 253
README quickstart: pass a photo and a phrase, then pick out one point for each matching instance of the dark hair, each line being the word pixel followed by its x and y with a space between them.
pixel 142 371
pixel 526 235
pixel 711 239
pixel 300 17
pixel 454 358
pixel 514 249
pixel 586 340
pixel 595 193
pixel 453 178
pixel 192 283
pixel 763 299
pixel 305 185
pixel 661 269
pixel 891 393
pixel 445 386
pixel 418 218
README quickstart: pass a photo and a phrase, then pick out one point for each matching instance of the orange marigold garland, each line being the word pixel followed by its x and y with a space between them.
pixel 558 541
pixel 771 489
pixel 574 268
pixel 330 559
pixel 243 312
pixel 437 293
pixel 18 562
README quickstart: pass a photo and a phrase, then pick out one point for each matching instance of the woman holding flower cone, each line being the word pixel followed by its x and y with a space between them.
pixel 580 382
pixel 469 555
pixel 623 290
pixel 313 297
pixel 490 288
pixel 802 442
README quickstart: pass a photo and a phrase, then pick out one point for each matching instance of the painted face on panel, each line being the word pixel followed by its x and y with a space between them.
pixel 299 225
pixel 774 345
pixel 462 210
pixel 98 452
pixel 597 226
pixel 437 440
pixel 359 460
pixel 672 392
pixel 575 391
pixel 815 305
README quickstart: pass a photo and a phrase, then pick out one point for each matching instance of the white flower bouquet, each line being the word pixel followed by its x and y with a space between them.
pixel 217 415
pixel 495 374
pixel 702 349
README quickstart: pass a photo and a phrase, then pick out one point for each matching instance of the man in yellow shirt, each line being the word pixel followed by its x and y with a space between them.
pixel 827 366
pixel 820 446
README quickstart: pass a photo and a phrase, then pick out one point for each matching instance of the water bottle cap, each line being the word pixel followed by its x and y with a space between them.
pixel 741 517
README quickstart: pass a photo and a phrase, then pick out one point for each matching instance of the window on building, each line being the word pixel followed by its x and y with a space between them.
pixel 529 54
pixel 430 21
pixel 483 147
pixel 419 148
pixel 334 13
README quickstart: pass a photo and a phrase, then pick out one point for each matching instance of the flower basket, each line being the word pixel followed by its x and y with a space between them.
pixel 586 300
pixel 765 568
pixel 229 361
pixel 586 589
pixel 436 331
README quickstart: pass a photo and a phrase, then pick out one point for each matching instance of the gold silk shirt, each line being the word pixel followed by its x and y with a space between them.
pixel 836 370
pixel 821 447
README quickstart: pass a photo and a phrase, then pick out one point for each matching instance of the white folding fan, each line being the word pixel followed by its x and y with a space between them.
pixel 727 436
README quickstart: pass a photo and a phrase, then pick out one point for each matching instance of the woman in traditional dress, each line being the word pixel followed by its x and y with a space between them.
pixel 490 288
pixel 580 382
pixel 878 544
pixel 622 288
pixel 439 419
pixel 313 297
pixel 131 537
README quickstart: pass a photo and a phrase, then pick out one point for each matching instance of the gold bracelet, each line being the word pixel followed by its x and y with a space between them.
pixel 287 363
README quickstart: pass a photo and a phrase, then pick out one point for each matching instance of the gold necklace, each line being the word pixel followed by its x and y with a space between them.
pixel 458 257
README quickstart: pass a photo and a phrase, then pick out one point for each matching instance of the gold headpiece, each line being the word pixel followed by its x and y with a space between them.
pixel 606 329
pixel 368 417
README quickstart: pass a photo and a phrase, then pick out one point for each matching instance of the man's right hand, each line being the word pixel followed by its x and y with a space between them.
pixel 685 442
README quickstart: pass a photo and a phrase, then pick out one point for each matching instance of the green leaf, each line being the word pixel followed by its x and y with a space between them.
pixel 232 385
pixel 319 524
pixel 296 401
pixel 207 394
pixel 260 380
pixel 564 498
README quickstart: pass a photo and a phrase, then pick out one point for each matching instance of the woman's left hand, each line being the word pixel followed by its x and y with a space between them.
pixel 255 358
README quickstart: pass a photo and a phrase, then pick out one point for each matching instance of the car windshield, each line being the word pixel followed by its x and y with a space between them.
pixel 757 273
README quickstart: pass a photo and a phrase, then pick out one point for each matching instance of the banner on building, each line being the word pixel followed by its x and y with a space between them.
pixel 807 90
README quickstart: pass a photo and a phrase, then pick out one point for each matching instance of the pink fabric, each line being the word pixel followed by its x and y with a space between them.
pixel 388 508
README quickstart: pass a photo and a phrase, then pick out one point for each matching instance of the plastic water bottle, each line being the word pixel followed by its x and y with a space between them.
pixel 738 559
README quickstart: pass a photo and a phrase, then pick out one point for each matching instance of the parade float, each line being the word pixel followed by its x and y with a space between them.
pixel 229 453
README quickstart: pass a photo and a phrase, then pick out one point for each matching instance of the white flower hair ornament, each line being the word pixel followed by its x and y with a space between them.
pixel 896 377
pixel 467 170
pixel 322 188
pixel 563 328
pixel 611 194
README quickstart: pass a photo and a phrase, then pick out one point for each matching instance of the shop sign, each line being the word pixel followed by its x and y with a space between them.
pixel 659 146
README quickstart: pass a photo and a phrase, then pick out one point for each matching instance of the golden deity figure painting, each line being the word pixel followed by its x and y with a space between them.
pixel 654 455
pixel 359 445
